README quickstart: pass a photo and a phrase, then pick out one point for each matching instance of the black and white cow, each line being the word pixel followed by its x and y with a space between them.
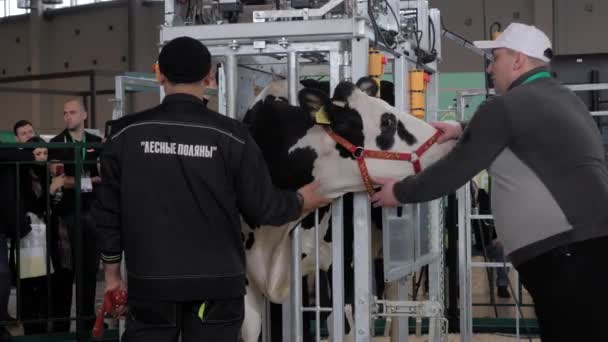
pixel 298 151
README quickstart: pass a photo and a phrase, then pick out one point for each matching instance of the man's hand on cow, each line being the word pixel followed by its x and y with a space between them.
pixel 311 199
pixel 386 196
pixel 451 130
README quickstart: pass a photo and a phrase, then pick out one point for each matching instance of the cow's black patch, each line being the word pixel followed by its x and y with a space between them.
pixel 388 128
pixel 347 123
pixel 312 99
pixel 368 85
pixel 320 85
pixel 250 240
pixel 343 91
pixel 405 135
pixel 387 92
pixel 276 127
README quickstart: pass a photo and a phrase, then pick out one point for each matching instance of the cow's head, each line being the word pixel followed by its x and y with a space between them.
pixel 298 150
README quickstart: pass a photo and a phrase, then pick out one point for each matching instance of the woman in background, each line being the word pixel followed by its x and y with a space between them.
pixel 34 188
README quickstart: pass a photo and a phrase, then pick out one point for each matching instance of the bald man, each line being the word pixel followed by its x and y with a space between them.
pixel 74 116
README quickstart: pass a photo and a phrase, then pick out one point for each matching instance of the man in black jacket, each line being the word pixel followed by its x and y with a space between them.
pixel 74 116
pixel 176 179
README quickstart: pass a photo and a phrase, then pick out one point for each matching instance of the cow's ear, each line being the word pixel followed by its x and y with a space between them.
pixel 368 85
pixel 311 100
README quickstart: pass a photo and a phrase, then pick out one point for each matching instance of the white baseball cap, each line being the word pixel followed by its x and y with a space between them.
pixel 523 38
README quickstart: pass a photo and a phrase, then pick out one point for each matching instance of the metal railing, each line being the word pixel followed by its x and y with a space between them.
pixel 76 240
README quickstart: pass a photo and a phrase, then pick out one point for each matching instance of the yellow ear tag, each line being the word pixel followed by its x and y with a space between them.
pixel 321 117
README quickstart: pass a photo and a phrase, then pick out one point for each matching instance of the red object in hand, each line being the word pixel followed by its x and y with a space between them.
pixel 111 300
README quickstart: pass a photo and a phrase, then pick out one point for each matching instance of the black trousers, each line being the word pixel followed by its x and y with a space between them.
pixel 34 304
pixel 149 321
pixel 568 286
pixel 63 279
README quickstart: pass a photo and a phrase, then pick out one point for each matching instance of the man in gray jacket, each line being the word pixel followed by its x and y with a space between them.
pixel 549 184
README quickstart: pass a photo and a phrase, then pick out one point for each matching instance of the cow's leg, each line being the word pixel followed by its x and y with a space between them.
pixel 277 288
pixel 349 335
pixel 268 261
pixel 254 307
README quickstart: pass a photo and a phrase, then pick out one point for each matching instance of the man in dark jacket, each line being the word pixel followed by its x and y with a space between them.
pixel 549 184
pixel 175 180
pixel 74 116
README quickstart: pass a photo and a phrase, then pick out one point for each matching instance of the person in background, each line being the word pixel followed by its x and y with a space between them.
pixel 34 188
pixel 10 220
pixel 74 116
pixel 23 130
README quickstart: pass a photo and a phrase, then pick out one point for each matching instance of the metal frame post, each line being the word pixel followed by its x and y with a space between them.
pixel 335 58
pixel 337 234
pixel 231 85
pixel 402 103
pixel 296 275
pixel 359 58
pixel 362 260
pixel 464 270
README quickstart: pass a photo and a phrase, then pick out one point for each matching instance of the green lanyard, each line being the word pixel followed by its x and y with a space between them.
pixel 84 149
pixel 542 74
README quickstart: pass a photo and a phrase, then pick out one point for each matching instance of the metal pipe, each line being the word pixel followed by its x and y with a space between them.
pixel 436 268
pixel 315 309
pixel 292 77
pixel 266 323
pixel 18 236
pixel 119 98
pixel 287 312
pixel 169 12
pixel 334 71
pixel 49 241
pixel 337 298
pixel 317 281
pixel 231 85
pixel 401 83
pixel 464 242
pixel 362 259
pixel 346 70
pixel 297 330
pixel 296 285
pixel 403 322
pixel 360 56
pixel 55 75
pixel 80 324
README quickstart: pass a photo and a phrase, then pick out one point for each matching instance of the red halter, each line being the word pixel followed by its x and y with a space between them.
pixel 360 154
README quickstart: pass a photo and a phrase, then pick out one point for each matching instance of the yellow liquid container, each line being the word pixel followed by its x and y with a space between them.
pixel 418 80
